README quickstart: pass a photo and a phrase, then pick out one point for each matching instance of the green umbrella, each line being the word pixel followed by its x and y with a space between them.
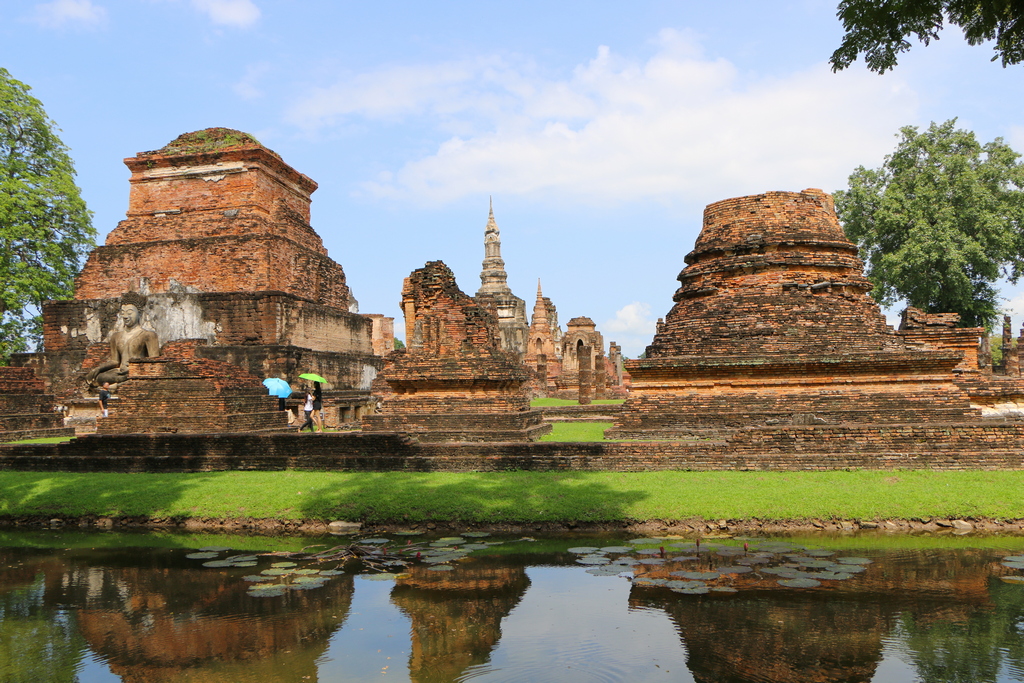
pixel 313 377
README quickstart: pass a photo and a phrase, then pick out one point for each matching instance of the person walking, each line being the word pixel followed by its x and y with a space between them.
pixel 318 407
pixel 104 398
pixel 307 408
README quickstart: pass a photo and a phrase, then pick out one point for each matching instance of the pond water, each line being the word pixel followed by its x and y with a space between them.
pixel 98 608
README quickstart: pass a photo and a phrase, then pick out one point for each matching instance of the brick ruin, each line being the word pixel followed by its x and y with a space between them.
pixel 543 349
pixel 217 236
pixel 453 381
pixel 495 294
pixel 772 325
pixel 179 391
pixel 26 410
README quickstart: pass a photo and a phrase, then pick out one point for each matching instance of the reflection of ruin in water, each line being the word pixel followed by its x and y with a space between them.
pixel 155 615
pixel 456 616
pixel 770 633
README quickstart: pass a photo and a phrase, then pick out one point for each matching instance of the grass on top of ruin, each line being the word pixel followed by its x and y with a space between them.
pixel 518 496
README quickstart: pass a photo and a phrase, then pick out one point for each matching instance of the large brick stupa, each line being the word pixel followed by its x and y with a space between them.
pixel 217 238
pixel 773 325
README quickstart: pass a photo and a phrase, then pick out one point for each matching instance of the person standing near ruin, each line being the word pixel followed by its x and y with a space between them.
pixel 307 408
pixel 104 397
pixel 318 407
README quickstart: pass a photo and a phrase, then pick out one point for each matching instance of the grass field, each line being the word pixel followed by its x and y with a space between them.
pixel 576 431
pixel 519 496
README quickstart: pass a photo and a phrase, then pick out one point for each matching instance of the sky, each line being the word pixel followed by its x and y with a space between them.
pixel 600 132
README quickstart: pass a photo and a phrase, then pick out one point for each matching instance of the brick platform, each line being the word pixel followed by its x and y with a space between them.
pixel 995 446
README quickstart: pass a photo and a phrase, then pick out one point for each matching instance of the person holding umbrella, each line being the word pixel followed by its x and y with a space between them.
pixel 318 398
pixel 307 408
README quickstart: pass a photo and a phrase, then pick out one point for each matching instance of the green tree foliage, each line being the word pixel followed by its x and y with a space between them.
pixel 879 28
pixel 45 228
pixel 940 222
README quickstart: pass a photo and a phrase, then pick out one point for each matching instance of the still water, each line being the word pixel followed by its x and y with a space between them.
pixel 153 608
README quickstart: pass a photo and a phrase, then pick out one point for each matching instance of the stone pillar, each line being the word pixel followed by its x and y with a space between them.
pixel 1007 342
pixel 600 377
pixel 615 356
pixel 985 354
pixel 1011 352
pixel 585 361
pixel 542 374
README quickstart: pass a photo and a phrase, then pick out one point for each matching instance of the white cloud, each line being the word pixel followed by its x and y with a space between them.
pixel 632 328
pixel 69 13
pixel 676 126
pixel 248 87
pixel 237 13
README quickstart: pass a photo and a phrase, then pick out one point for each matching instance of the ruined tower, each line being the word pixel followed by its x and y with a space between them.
pixel 494 292
pixel 773 324
pixel 544 352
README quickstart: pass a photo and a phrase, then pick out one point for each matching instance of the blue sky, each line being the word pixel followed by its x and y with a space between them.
pixel 600 131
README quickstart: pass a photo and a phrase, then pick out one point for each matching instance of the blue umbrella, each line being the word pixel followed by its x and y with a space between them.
pixel 278 387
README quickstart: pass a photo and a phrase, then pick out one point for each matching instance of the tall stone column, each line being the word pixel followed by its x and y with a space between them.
pixel 985 354
pixel 1007 343
pixel 585 362
pixel 600 377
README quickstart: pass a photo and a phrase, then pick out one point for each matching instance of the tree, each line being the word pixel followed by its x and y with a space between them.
pixel 45 227
pixel 940 222
pixel 879 28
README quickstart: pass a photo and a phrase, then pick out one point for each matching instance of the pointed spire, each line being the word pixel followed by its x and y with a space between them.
pixel 493 277
pixel 541 294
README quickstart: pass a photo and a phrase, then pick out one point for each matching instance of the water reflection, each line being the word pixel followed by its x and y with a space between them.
pixel 153 615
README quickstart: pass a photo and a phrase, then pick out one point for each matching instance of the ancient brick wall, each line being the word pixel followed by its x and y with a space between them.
pixel 26 410
pixel 992 446
pixel 183 392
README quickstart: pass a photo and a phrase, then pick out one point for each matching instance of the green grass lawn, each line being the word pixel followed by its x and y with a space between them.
pixel 548 402
pixel 518 496
pixel 45 439
pixel 576 431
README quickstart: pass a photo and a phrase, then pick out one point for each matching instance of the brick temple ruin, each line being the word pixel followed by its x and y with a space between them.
pixel 773 325
pixel 454 381
pixel 218 242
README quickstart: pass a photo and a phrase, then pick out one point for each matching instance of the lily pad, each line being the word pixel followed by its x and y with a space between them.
pixel 645 581
pixel 734 570
pixel 724 589
pixel 616 549
pixel 684 558
pixel 648 551
pixel 243 564
pixel 202 556
pixel 684 584
pixel 699 576
pixel 283 565
pixel 652 560
pixel 853 560
pixel 832 576
pixel 305 586
pixel 241 558
pixel 583 550
pixel 302 572
pixel 729 552
pixel 383 576
pixel 799 583
pixel 820 552
pixel 477 534
pixel 848 568
pixel 220 563
pixel 607 570
pixel 440 568
pixel 331 572
pixel 309 579
pixel 642 541
pixel 816 564
pixel 374 541
pixel 1013 565
pixel 476 546
pixel 408 533
pixel 592 559
pixel 275 572
pixel 257 577
pixel 268 593
pixel 1012 579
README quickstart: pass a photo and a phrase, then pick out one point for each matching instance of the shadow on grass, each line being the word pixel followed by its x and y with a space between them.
pixel 491 497
pixel 89 493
